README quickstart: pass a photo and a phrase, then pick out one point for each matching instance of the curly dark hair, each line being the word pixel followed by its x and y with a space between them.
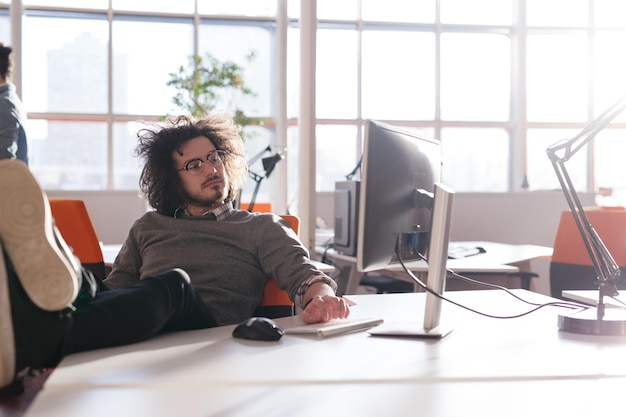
pixel 159 180
pixel 6 63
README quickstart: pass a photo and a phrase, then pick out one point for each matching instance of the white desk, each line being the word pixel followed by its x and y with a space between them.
pixel 110 251
pixel 486 367
pixel 499 258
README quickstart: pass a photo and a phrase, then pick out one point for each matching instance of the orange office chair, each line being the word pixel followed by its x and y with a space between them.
pixel 72 220
pixel 570 266
pixel 276 302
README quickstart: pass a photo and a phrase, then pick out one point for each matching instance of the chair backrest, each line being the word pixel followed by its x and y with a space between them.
pixel 276 302
pixel 72 219
pixel 570 266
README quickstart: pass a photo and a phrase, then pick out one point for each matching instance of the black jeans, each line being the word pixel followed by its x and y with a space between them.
pixel 163 303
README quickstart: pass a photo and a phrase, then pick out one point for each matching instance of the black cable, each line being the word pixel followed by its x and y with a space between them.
pixel 499 287
pixel 425 288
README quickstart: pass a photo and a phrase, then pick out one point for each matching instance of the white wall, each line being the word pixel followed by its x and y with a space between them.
pixel 529 217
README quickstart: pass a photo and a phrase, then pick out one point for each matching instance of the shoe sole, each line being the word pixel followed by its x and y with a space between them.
pixel 7 341
pixel 42 262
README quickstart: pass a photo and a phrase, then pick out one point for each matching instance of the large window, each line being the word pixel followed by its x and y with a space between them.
pixel 496 88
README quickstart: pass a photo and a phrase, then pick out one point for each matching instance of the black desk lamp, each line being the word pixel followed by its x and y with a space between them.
pixel 269 163
pixel 598 321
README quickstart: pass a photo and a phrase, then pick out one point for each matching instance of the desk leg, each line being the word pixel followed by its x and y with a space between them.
pixel 349 278
pixel 525 275
pixel 354 279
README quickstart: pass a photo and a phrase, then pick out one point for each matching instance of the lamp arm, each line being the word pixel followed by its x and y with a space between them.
pixel 603 262
pixel 259 155
pixel 573 145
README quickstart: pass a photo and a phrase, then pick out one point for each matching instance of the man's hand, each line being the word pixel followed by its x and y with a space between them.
pixel 322 308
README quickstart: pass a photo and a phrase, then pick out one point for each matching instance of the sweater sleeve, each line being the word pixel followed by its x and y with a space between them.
pixel 127 264
pixel 284 257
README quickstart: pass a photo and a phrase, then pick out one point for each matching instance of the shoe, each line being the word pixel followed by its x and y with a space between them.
pixel 48 270
pixel 30 338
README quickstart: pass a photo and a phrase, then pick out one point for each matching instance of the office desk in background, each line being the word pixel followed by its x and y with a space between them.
pixel 487 367
pixel 499 264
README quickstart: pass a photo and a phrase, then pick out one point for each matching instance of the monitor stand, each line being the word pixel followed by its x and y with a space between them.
pixel 436 283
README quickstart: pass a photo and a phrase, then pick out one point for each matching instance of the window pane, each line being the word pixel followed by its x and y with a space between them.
pixel 610 171
pixel 541 174
pixel 557 12
pixel 610 13
pixel 422 11
pixel 398 75
pixel 473 12
pixel 609 70
pixel 340 10
pixel 234 42
pixel 293 9
pixel 475 160
pixel 68 155
pixel 557 82
pixel 141 68
pixel 65 70
pixel 481 90
pixel 236 7
pixel 82 4
pixel 262 138
pixel 335 153
pixel 336 81
pixel 157 6
pixel 126 166
pixel 5 27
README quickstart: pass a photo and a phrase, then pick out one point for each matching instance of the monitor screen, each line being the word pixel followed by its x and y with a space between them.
pixel 398 173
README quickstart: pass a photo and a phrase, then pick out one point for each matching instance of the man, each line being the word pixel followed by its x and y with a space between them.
pixel 193 170
pixel 13 141
pixel 50 307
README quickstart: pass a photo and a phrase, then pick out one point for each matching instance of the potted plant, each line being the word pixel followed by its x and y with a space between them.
pixel 207 84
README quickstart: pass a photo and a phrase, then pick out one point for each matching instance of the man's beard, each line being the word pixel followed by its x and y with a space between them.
pixel 216 200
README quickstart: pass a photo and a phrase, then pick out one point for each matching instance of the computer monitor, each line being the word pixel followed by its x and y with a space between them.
pixel 405 209
pixel 398 175
pixel 346 216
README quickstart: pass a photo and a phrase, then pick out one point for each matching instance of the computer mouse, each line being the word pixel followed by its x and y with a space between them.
pixel 259 328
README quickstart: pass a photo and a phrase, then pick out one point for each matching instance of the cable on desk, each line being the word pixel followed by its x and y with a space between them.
pixel 564 304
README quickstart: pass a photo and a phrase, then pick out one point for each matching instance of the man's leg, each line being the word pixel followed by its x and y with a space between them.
pixel 30 338
pixel 39 282
pixel 48 270
pixel 165 302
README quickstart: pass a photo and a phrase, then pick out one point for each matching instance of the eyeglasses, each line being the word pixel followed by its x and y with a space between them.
pixel 215 158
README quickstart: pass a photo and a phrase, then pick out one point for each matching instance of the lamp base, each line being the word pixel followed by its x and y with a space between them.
pixel 586 322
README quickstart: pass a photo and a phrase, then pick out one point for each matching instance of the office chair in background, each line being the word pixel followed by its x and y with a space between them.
pixel 570 266
pixel 73 221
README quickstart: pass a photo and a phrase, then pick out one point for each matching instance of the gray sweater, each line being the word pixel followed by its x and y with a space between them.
pixel 228 261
